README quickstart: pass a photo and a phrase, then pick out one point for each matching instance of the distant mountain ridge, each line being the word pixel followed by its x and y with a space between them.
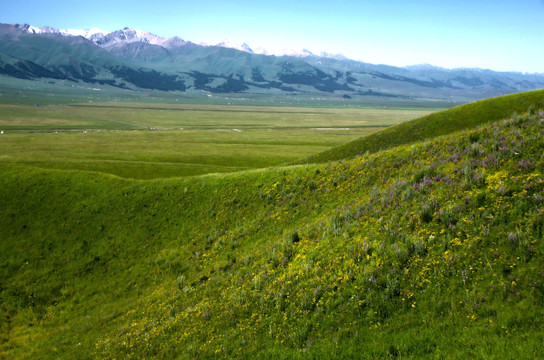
pixel 130 58
pixel 130 35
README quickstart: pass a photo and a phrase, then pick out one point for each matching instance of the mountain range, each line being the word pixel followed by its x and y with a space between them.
pixel 135 59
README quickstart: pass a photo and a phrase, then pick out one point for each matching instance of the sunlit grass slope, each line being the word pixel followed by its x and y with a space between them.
pixel 441 123
pixel 427 251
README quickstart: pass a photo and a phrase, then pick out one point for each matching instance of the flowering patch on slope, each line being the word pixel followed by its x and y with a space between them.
pixel 440 234
pixel 422 251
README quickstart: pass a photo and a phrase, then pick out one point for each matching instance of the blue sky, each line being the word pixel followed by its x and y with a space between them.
pixel 503 35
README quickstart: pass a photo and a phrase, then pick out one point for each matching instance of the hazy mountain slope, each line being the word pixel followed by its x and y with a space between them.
pixel 56 51
pixel 77 59
pixel 215 62
pixel 481 81
pixel 24 69
pixel 441 123
pixel 329 75
pixel 425 251
pixel 130 57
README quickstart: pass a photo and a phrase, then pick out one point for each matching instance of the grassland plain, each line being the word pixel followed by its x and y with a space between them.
pixel 433 250
pixel 169 140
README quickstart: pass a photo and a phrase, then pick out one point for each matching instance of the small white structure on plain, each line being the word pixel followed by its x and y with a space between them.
pixel 1 132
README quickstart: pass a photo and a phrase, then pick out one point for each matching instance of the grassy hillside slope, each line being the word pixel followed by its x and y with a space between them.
pixel 429 251
pixel 444 122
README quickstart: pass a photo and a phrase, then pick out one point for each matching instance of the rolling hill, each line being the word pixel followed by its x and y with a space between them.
pixel 135 59
pixel 440 123
pixel 427 250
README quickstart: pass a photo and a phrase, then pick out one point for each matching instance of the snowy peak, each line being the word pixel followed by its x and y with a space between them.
pixel 104 39
pixel 229 44
pixel 31 29
pixel 333 56
pixel 129 35
pixel 285 52
pixel 90 34
pixel 299 53
pixel 262 51
pixel 304 53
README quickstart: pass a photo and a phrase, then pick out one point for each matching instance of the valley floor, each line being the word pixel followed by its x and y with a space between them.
pixel 147 140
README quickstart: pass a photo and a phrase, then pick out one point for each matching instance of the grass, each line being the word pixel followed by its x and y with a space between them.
pixel 440 123
pixel 215 138
pixel 247 117
pixel 21 118
pixel 431 250
pixel 153 154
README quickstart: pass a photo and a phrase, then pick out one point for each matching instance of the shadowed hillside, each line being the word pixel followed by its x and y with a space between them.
pixel 426 251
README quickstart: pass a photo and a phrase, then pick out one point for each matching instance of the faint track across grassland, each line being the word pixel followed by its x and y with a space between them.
pixel 54 108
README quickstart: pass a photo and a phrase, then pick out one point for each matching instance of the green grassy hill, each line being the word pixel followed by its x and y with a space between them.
pixel 445 122
pixel 433 250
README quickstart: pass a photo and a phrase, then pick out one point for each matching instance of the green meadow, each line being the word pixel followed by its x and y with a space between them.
pixel 169 140
pixel 415 244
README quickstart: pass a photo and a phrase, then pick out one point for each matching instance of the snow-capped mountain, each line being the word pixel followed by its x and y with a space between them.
pixel 242 46
pixel 131 58
pixel 88 34
pixel 234 45
pixel 129 35
pixel 35 30
pixel 297 53
pixel 283 52
pixel 85 33
pixel 104 39
pixel 333 56
pixel 93 34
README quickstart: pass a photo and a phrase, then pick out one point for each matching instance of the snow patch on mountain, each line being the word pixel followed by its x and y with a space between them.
pixel 69 32
pixel 29 28
pixel 299 53
pixel 235 45
pixel 304 53
pixel 242 46
pixel 90 34
pixel 285 52
pixel 105 39
pixel 129 35
pixel 333 56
